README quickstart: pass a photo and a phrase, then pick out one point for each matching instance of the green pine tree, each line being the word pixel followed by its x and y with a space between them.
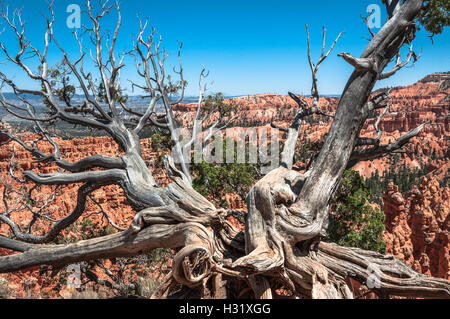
pixel 354 223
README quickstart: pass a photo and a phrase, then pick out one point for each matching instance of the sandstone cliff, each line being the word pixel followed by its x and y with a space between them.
pixel 418 226
pixel 423 102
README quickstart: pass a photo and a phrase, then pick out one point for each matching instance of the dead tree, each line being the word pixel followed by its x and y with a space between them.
pixel 287 210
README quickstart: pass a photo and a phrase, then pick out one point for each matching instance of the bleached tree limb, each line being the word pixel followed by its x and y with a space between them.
pixel 399 64
pixel 315 66
pixel 360 64
pixel 288 211
pixel 287 155
pixel 381 150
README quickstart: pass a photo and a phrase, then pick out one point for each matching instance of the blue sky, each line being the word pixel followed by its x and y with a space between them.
pixel 248 46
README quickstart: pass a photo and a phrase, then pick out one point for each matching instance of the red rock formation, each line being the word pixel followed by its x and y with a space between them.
pixel 111 198
pixel 423 102
pixel 417 223
pixel 418 226
pixel 397 234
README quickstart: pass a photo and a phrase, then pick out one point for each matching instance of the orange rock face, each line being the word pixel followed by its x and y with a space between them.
pixel 417 226
pixel 417 223
pixel 111 198
pixel 410 106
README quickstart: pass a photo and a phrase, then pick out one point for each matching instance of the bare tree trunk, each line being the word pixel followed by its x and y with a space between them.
pixel 287 210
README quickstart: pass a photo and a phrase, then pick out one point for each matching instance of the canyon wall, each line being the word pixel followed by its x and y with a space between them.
pixel 417 223
pixel 418 226
pixel 426 101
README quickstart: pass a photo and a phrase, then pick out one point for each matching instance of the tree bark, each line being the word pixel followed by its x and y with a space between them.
pixel 287 211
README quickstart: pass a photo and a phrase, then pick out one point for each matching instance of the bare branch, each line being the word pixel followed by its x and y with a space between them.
pixel 362 64
pixel 375 104
pixel 59 225
pixel 83 177
pixel 84 164
pixel 105 214
pixel 315 67
pixel 382 150
pixel 366 20
pixel 395 277
pixel 399 64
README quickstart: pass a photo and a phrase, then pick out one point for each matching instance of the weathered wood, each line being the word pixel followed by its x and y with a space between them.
pixel 395 277
pixel 287 210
